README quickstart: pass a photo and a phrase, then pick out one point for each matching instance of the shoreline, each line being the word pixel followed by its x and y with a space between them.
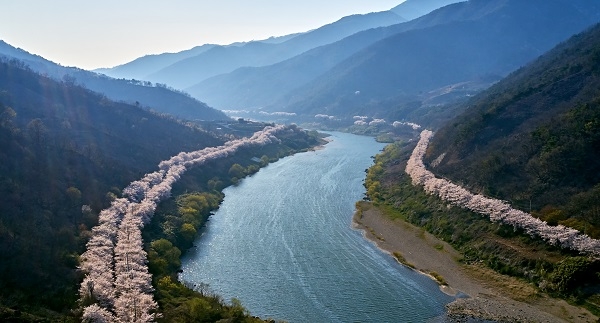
pixel 480 292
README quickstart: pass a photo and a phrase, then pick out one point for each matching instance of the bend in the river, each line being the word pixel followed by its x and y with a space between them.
pixel 283 244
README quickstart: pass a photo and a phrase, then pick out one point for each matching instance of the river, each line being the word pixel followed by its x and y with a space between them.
pixel 283 244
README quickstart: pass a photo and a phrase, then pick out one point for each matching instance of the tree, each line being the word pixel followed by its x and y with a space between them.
pixel 74 194
pixel 237 171
pixel 37 131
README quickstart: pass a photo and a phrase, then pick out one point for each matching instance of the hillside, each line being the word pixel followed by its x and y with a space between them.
pixel 497 37
pixel 66 153
pixel 154 96
pixel 534 138
pixel 529 143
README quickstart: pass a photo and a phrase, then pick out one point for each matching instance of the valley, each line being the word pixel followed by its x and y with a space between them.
pixel 219 182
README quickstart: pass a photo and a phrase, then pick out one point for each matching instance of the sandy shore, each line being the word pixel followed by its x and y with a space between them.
pixel 481 293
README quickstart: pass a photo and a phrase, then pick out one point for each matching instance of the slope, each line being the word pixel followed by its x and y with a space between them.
pixel 534 138
pixel 264 86
pixel 64 151
pixel 499 36
pixel 157 97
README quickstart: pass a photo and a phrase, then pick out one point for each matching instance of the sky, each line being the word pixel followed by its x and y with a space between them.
pixel 104 33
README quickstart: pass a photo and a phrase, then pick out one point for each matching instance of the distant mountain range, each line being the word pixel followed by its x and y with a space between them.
pixel 404 70
pixel 159 98
pixel 250 87
pixel 185 69
pixel 534 138
pixel 473 42
pixel 191 69
pixel 139 68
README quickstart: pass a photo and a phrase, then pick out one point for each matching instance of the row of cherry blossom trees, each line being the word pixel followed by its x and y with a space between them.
pixel 117 286
pixel 496 209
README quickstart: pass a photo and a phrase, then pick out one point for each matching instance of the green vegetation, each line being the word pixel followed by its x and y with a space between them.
pixel 499 247
pixel 178 220
pixel 174 229
pixel 440 280
pixel 65 153
pixel 403 260
pixel 534 138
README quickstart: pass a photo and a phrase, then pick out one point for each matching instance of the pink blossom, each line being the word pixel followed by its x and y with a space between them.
pixel 497 210
pixel 115 262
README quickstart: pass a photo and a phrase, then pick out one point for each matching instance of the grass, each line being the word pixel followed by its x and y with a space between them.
pixel 519 289
pixel 400 258
pixel 438 278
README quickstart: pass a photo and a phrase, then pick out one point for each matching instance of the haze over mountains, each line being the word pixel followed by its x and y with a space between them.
pixel 395 71
pixel 145 94
pixel 223 59
pixel 515 96
pixel 476 41
pixel 191 68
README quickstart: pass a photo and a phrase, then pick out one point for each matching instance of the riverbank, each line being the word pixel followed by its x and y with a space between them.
pixel 481 293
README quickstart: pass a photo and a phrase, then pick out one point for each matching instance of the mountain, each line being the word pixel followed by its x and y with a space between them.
pixel 64 153
pixel 151 67
pixel 249 87
pixel 224 59
pixel 534 138
pixel 139 68
pixel 157 97
pixel 411 9
pixel 475 42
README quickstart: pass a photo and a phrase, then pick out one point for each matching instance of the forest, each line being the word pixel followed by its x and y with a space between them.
pixel 534 138
pixel 505 248
pixel 513 181
pixel 67 154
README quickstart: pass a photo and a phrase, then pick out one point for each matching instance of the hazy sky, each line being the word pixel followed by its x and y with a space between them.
pixel 104 33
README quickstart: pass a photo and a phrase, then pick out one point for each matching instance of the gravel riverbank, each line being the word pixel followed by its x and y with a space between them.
pixel 482 295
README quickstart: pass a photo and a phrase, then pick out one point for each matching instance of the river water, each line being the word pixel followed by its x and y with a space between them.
pixel 283 244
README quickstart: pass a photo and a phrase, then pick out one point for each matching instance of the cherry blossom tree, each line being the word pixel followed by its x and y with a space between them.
pixel 497 210
pixel 117 283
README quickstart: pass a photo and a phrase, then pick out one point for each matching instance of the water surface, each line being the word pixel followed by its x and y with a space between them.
pixel 283 244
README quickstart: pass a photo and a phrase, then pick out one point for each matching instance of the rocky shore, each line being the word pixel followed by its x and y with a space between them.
pixel 482 295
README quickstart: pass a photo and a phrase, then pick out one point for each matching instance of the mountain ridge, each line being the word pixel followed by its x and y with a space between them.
pixel 222 59
pixel 159 98
pixel 391 65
